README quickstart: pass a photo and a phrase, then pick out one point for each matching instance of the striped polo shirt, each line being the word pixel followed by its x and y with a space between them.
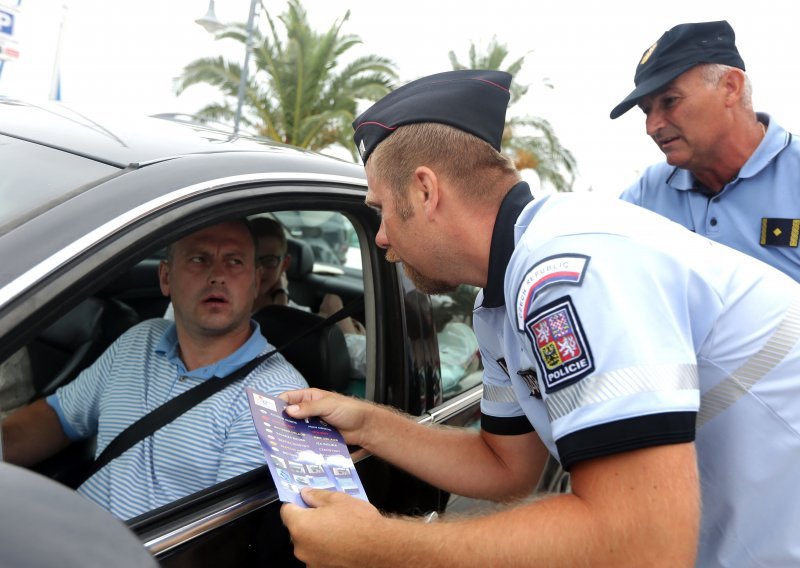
pixel 210 443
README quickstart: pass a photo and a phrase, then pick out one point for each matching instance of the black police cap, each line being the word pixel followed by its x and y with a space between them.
pixel 677 51
pixel 471 100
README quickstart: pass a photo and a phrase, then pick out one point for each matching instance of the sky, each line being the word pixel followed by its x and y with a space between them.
pixel 121 57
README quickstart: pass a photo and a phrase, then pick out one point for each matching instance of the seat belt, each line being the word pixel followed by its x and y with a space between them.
pixel 170 410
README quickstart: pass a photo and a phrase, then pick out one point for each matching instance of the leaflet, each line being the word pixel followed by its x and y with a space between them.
pixel 302 453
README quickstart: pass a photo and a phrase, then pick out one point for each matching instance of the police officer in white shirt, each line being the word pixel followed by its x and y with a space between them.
pixel 660 368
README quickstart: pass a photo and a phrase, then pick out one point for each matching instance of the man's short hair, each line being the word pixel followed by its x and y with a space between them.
pixel 465 160
pixel 712 73
pixel 268 227
pixel 243 221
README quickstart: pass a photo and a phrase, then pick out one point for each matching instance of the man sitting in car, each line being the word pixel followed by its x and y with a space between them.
pixel 212 279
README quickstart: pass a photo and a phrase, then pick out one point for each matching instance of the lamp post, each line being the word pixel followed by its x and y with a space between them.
pixel 212 25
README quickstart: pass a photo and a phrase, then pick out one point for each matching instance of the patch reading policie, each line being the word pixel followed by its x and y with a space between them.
pixel 559 344
pixel 780 232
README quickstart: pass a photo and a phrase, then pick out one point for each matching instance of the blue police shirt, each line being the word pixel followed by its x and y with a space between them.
pixel 758 212
pixel 605 328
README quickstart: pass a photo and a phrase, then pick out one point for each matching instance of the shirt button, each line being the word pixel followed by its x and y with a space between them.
pixel 183 379
pixel 713 221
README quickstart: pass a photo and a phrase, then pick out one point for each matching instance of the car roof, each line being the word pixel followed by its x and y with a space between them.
pixel 66 175
pixel 118 140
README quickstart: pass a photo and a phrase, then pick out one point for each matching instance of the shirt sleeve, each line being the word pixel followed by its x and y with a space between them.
pixel 77 403
pixel 614 351
pixel 634 193
pixel 501 412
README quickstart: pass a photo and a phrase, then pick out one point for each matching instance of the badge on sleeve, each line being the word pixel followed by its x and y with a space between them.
pixel 559 344
pixel 780 232
pixel 559 269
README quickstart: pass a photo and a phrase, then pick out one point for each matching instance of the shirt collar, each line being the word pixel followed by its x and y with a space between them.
pixel 775 140
pixel 503 243
pixel 256 344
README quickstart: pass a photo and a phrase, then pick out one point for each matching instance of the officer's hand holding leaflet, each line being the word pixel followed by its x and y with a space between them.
pixel 346 414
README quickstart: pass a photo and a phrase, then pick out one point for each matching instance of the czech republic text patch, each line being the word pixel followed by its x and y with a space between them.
pixel 559 344
pixel 560 269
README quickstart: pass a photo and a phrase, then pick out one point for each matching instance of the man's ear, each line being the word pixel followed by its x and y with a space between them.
pixel 734 84
pixel 287 260
pixel 426 185
pixel 163 277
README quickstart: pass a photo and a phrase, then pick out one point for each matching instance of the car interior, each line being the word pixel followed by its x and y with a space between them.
pixel 327 250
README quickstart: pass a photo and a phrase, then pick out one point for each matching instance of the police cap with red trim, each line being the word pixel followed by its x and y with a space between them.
pixel 677 51
pixel 471 100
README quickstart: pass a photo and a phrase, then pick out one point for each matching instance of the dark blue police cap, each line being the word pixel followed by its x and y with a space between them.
pixel 474 101
pixel 677 51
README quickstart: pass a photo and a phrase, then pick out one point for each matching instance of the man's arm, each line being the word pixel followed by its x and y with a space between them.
pixel 637 508
pixel 32 434
pixel 458 460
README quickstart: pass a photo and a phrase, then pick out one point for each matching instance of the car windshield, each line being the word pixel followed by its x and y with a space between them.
pixel 27 188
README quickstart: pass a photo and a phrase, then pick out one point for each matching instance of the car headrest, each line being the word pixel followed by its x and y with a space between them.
pixel 321 357
pixel 302 263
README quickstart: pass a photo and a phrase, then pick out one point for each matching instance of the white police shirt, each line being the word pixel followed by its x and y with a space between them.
pixel 607 328
pixel 757 213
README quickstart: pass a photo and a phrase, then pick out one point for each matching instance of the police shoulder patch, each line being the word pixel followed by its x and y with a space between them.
pixel 563 269
pixel 559 344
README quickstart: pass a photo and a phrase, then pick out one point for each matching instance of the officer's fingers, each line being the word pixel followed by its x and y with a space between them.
pixel 317 403
pixel 322 497
pixel 302 395
pixel 290 514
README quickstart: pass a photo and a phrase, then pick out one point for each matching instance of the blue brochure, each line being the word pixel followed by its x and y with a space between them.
pixel 302 453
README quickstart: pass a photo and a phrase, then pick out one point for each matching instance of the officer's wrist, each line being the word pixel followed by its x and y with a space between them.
pixel 278 292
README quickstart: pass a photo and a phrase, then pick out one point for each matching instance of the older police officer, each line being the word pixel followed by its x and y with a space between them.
pixel 730 174
pixel 657 366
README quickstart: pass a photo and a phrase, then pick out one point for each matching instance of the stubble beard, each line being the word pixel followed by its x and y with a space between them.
pixel 423 283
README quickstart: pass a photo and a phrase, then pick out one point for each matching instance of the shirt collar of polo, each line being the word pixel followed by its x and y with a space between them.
pixel 774 142
pixel 255 345
pixel 503 243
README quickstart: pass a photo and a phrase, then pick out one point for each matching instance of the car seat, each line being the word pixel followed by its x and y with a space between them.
pixel 321 356
pixel 73 342
pixel 301 289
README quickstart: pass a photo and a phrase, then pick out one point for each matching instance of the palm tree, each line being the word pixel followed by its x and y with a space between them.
pixel 529 140
pixel 299 93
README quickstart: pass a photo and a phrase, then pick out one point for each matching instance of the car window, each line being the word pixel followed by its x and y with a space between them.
pixel 459 357
pixel 71 343
pixel 327 232
pixel 331 279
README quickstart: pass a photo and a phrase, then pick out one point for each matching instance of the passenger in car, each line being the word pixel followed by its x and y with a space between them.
pixel 273 255
pixel 212 278
pixel 659 367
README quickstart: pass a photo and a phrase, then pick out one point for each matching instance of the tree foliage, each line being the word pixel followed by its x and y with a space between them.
pixel 530 141
pixel 298 90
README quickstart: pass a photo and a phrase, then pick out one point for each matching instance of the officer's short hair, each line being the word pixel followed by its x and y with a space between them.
pixel 470 163
pixel 712 73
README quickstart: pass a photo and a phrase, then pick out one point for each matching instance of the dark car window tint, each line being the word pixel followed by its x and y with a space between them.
pixel 26 186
